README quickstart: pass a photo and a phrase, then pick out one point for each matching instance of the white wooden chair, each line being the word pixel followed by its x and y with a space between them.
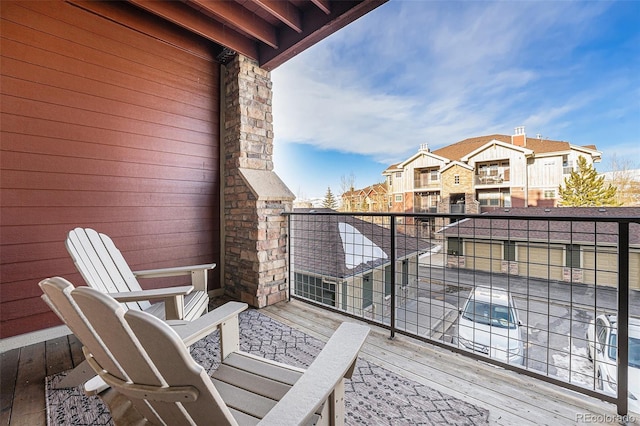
pixel 104 268
pixel 152 375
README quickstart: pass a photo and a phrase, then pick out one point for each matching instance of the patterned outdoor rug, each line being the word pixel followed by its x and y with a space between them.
pixel 374 396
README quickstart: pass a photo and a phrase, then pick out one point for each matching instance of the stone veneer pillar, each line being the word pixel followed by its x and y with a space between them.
pixel 253 197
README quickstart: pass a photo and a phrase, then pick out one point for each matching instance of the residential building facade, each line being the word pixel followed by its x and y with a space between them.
pixel 579 251
pixel 345 262
pixel 484 173
pixel 373 198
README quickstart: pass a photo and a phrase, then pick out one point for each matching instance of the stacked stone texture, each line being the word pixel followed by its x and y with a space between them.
pixel 255 230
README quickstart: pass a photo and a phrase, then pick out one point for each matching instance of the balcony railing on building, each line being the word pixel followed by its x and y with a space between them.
pixel 561 273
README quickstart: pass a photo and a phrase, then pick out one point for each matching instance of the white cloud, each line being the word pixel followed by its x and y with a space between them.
pixel 438 72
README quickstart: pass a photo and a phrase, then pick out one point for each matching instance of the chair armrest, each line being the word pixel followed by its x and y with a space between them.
pixel 335 362
pixel 198 274
pixel 192 331
pixel 172 272
pixel 158 293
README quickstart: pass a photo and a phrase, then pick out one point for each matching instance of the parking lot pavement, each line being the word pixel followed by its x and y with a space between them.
pixel 426 317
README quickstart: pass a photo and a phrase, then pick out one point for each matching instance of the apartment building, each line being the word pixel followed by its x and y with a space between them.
pixel 373 198
pixel 484 173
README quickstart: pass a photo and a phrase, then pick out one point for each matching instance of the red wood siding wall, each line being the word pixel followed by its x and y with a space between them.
pixel 107 127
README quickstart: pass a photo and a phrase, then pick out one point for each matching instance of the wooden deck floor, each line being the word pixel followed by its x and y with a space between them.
pixel 511 399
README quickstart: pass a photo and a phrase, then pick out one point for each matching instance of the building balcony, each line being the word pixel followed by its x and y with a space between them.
pixel 491 180
pixel 425 183
pixel 559 267
pixel 561 272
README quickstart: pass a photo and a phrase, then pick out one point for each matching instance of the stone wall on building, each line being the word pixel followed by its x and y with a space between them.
pixel 254 198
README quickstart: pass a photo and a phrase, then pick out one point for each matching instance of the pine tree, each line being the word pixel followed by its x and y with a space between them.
pixel 583 188
pixel 329 201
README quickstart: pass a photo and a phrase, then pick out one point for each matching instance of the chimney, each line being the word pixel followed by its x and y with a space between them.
pixel 424 147
pixel 519 138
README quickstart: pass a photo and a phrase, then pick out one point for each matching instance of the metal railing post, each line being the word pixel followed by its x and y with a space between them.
pixel 392 219
pixel 289 267
pixel 623 317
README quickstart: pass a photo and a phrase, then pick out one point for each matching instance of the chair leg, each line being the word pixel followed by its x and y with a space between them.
pixel 336 405
pixel 80 374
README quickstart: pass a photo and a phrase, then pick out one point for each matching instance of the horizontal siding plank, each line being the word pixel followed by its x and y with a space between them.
pixel 155 27
pixel 108 127
pixel 54 181
pixel 76 68
pixel 49 77
pixel 144 259
pixel 131 153
pixel 76 168
pixel 59 114
pixel 57 232
pixel 37 30
pixel 175 242
pixel 71 199
pixel 49 132
pixel 34 91
pixel 18 216
pixel 114 38
pixel 26 324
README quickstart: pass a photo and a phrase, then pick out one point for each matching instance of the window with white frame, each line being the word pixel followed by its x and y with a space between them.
pixel 454 246
pixel 572 252
pixel 456 179
pixel 567 165
pixel 509 252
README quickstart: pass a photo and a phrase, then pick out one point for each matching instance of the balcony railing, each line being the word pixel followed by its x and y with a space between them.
pixel 425 182
pixel 485 179
pixel 457 208
pixel 546 280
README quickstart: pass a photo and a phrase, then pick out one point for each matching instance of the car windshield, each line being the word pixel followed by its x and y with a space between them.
pixel 634 350
pixel 487 313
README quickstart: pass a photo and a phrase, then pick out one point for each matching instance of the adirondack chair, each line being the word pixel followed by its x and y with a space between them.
pixel 104 268
pixel 147 364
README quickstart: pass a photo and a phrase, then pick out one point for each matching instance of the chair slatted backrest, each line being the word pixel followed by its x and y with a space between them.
pixel 57 294
pixel 102 265
pixel 156 361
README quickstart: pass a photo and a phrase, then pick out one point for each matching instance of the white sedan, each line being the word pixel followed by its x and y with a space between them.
pixel 603 352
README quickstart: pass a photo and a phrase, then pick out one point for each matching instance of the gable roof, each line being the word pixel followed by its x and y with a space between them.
pixel 537 228
pixel 341 246
pixel 377 188
pixel 524 150
pixel 420 154
pixel 458 150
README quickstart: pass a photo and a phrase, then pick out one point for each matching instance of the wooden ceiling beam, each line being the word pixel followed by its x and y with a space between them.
pixel 194 21
pixel 317 26
pixel 283 11
pixel 323 5
pixel 239 17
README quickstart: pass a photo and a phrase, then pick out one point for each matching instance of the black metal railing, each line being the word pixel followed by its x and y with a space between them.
pixel 544 279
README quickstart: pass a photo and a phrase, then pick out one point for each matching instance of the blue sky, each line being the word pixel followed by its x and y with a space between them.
pixel 437 72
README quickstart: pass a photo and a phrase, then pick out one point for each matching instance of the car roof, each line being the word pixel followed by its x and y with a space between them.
pixel 634 325
pixel 493 295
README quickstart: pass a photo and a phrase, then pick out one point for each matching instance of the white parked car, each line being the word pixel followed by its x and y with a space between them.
pixel 489 324
pixel 602 337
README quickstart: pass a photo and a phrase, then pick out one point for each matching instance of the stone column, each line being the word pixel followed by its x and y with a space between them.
pixel 253 197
